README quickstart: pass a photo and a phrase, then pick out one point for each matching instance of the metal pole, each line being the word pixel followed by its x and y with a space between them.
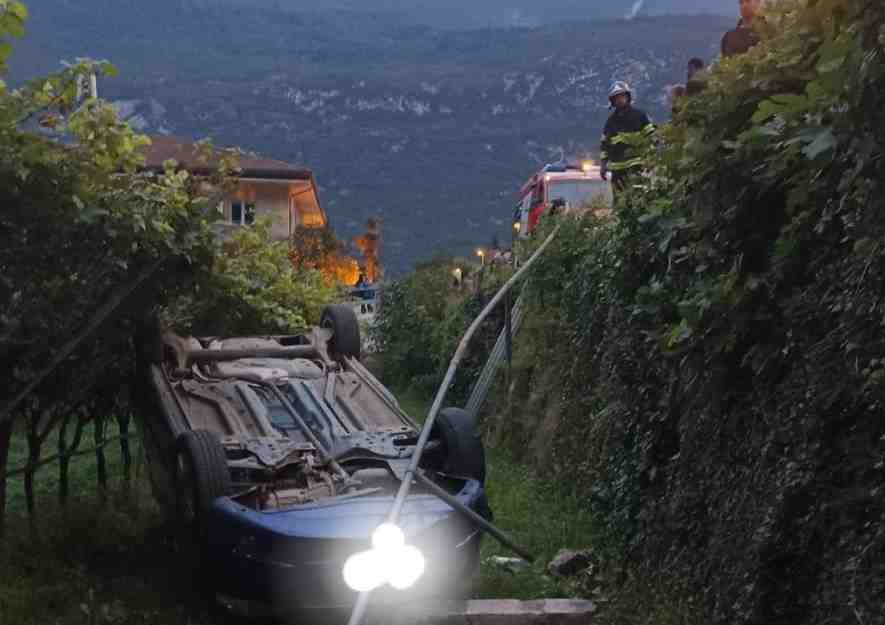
pixel 487 527
pixel 406 484
pixel 359 608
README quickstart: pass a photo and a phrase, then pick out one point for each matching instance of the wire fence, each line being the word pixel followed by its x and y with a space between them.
pixel 499 354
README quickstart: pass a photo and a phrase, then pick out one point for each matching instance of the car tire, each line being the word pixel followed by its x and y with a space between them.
pixel 342 321
pixel 201 476
pixel 463 451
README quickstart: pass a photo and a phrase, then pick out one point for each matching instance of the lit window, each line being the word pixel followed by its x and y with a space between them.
pixel 242 213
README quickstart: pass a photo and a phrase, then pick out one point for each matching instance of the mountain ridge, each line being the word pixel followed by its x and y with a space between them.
pixel 433 130
pixel 503 13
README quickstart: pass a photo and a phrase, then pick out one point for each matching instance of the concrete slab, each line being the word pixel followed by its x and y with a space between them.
pixel 497 612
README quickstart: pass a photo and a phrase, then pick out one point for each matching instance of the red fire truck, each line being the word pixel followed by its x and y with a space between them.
pixel 571 187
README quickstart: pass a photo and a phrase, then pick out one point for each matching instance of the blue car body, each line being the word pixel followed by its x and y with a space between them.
pixel 295 557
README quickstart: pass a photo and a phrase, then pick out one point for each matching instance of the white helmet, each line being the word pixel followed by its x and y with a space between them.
pixel 618 88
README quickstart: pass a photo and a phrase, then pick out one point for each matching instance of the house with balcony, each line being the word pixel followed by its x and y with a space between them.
pixel 265 187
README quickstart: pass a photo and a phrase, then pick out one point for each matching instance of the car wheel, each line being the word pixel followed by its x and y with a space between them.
pixel 201 476
pixel 342 321
pixel 463 452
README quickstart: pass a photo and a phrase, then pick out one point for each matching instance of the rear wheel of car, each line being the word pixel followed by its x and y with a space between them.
pixel 463 452
pixel 342 321
pixel 201 476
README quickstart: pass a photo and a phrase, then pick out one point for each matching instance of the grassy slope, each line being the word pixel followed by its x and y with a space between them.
pixel 535 512
pixel 97 563
pixel 544 517
pixel 82 472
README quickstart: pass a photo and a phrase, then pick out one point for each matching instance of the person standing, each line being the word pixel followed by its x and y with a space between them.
pixel 624 119
pixel 694 82
pixel 676 94
pixel 743 37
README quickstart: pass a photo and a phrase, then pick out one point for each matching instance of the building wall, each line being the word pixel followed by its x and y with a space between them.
pixel 274 199
pixel 307 208
pixel 270 199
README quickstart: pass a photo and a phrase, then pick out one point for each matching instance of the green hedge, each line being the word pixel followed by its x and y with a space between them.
pixel 708 369
pixel 422 319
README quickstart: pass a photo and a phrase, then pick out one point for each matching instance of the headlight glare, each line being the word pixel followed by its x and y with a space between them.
pixel 390 561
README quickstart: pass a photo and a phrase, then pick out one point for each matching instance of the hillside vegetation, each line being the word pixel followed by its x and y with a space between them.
pixel 423 317
pixel 431 130
pixel 708 370
pixel 89 246
pixel 714 364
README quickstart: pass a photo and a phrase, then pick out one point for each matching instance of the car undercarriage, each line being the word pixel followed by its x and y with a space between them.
pixel 256 438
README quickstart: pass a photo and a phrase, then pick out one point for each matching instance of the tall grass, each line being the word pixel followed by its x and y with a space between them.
pixel 98 561
pixel 83 470
pixel 543 516
pixel 538 514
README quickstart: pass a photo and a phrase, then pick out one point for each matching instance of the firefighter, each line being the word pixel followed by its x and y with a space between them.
pixel 743 37
pixel 624 119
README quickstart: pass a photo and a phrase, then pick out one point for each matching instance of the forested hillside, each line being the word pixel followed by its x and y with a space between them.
pixel 432 130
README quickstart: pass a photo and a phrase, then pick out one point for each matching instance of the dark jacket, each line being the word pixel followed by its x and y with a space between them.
pixel 739 40
pixel 629 120
pixel 696 84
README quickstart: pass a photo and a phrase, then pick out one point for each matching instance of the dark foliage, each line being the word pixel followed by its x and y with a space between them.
pixel 721 342
pixel 422 319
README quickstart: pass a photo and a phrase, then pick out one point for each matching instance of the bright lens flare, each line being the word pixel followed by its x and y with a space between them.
pixel 361 572
pixel 390 561
pixel 408 569
pixel 388 538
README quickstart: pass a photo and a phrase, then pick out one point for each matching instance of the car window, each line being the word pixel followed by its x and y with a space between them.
pixel 276 412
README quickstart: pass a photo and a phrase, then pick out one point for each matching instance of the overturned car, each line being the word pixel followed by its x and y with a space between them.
pixel 280 455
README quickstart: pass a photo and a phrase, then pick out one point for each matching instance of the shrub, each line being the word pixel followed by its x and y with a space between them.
pixel 423 317
pixel 252 287
pixel 723 364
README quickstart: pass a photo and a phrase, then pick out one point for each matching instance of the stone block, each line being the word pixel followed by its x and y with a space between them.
pixel 496 612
